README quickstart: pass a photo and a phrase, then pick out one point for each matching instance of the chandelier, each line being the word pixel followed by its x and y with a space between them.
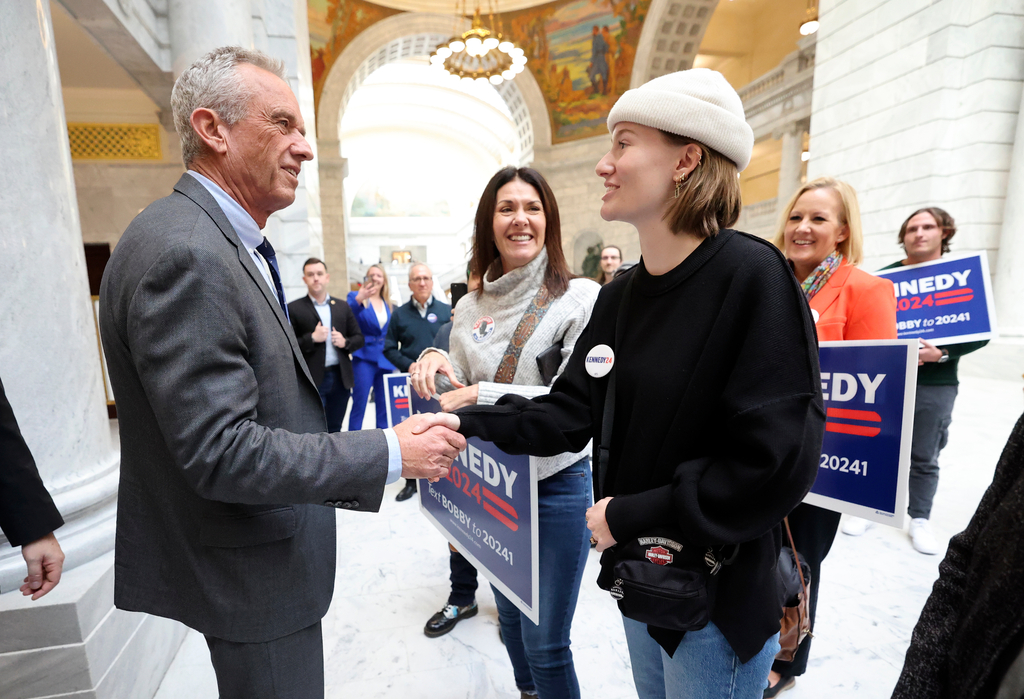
pixel 810 23
pixel 480 54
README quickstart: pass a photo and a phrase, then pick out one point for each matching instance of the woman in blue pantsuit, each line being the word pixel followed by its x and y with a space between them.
pixel 373 312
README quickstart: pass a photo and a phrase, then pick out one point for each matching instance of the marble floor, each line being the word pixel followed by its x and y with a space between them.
pixel 393 574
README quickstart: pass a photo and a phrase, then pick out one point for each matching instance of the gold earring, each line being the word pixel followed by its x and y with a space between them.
pixel 679 186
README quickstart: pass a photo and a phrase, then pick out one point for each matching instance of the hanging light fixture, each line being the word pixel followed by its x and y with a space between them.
pixel 810 23
pixel 480 54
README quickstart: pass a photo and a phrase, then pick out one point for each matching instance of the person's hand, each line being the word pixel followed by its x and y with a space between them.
pixel 337 339
pixel 421 374
pixel 366 291
pixel 319 333
pixel 598 525
pixel 429 444
pixel 459 398
pixel 45 561
pixel 928 353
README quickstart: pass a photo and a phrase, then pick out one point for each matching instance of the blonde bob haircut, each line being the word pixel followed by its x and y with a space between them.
pixel 852 249
pixel 709 199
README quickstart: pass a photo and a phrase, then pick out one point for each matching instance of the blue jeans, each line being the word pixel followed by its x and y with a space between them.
pixel 334 396
pixel 367 374
pixel 540 654
pixel 704 666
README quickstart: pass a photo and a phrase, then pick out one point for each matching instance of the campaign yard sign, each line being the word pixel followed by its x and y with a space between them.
pixel 397 388
pixel 945 301
pixel 487 509
pixel 869 388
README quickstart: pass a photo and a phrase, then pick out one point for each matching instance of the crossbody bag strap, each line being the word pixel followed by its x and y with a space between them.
pixel 524 331
pixel 796 557
pixel 603 450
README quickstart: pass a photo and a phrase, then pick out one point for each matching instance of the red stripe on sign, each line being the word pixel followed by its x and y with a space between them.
pixel 402 403
pixel 501 518
pixel 859 430
pixel 953 292
pixel 867 415
pixel 958 299
pixel 500 503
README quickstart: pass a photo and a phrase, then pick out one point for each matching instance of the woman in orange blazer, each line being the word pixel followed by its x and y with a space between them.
pixel 820 235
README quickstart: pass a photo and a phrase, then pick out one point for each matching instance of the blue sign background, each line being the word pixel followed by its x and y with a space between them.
pixel 868 433
pixel 492 527
pixel 398 390
pixel 942 301
pixel 485 506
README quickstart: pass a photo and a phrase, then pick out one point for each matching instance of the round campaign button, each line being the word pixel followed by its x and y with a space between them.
pixel 599 361
pixel 483 328
pixel 432 317
pixel 815 315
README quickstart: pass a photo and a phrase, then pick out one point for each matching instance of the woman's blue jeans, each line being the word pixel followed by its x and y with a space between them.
pixel 540 654
pixel 704 666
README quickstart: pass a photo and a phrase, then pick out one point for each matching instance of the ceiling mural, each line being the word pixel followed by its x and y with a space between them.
pixel 580 52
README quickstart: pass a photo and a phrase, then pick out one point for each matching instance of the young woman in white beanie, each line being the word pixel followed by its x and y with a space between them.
pixel 697 379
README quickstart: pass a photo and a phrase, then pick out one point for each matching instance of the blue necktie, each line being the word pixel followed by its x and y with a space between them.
pixel 267 250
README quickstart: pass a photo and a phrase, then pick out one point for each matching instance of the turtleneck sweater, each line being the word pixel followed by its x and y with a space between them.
pixel 503 300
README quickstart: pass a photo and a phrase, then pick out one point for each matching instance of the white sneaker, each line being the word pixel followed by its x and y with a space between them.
pixel 922 537
pixel 855 526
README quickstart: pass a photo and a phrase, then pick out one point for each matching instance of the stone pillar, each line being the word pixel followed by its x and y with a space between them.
pixel 198 26
pixel 72 640
pixel 791 166
pixel 333 169
pixel 1009 272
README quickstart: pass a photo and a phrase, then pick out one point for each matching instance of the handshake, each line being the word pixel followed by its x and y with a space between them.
pixel 429 444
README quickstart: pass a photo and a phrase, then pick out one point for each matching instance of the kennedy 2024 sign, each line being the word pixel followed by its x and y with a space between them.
pixel 869 389
pixel 486 507
pixel 945 301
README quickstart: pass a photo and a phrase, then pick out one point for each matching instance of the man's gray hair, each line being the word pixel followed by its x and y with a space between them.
pixel 212 83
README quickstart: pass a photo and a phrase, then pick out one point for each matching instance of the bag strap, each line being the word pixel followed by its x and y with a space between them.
pixel 796 557
pixel 603 450
pixel 524 331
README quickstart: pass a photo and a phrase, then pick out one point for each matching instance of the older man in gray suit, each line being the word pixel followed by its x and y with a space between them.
pixel 228 477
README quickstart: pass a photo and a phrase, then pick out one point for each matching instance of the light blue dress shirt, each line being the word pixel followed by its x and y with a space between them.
pixel 249 233
pixel 324 311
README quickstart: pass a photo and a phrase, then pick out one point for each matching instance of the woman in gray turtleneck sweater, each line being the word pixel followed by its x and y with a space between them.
pixel 528 292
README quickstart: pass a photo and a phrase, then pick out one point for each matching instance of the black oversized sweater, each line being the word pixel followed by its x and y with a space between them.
pixel 718 417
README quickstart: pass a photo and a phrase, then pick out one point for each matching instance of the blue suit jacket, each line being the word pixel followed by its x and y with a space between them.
pixel 373 350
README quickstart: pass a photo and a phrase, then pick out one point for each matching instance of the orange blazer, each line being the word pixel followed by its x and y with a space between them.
pixel 854 305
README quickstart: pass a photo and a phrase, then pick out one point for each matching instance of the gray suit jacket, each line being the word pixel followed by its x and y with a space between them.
pixel 225 461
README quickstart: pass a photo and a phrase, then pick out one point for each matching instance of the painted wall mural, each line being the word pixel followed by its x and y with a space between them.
pixel 332 25
pixel 581 52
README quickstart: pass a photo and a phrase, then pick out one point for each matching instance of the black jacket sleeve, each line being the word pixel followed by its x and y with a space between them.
pixel 301 325
pixel 27 511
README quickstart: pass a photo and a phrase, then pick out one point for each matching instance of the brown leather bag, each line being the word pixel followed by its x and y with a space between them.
pixel 796 620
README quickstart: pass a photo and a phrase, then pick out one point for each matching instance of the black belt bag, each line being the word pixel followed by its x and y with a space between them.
pixel 655 578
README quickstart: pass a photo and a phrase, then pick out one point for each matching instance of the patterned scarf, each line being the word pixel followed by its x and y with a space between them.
pixel 821 274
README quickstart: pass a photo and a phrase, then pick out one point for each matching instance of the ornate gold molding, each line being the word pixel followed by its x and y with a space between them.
pixel 114 141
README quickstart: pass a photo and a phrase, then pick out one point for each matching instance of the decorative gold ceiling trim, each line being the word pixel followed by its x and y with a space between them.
pixel 114 141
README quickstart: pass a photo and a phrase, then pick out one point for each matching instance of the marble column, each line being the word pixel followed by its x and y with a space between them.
pixel 791 165
pixel 333 169
pixel 198 26
pixel 1009 272
pixel 72 641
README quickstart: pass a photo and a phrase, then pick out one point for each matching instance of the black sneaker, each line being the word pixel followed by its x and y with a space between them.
pixel 779 687
pixel 408 491
pixel 446 619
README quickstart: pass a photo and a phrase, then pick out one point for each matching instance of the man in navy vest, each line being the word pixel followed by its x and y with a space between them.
pixel 412 330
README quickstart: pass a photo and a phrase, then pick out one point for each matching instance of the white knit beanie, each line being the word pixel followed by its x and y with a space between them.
pixel 696 103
